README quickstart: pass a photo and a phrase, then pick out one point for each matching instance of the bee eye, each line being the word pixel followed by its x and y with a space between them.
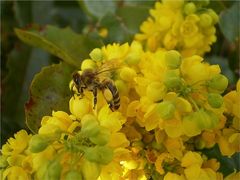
pixel 76 78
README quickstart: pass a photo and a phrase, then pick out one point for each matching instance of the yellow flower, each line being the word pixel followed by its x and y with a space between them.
pixel 111 120
pixel 16 145
pixel 173 176
pixel 211 163
pixel 191 158
pixel 59 121
pixel 15 172
pixel 175 147
pixel 161 160
pixel 196 172
pixel 232 101
pixel 179 25
pixel 81 106
pixel 233 176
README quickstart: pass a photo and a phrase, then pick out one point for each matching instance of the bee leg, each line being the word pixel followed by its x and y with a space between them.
pixel 72 91
pixel 95 97
pixel 80 92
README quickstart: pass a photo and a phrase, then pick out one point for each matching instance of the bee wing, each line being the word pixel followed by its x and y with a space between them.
pixel 108 68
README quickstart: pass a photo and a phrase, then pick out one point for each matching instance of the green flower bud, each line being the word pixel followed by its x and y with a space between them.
pixel 199 144
pixel 166 110
pixel 204 2
pixel 205 20
pixel 218 83
pixel 121 86
pixel 190 124
pixel 90 125
pixel 157 146
pixel 96 54
pixel 172 80
pixel 173 59
pixel 102 137
pixel 54 170
pixel 3 162
pixel 214 16
pixel 215 100
pixel 99 154
pixel 90 170
pixel 189 8
pixel 73 175
pixel 206 119
pixel 38 143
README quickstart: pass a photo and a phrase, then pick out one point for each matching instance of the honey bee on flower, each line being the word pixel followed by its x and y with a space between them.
pixel 98 79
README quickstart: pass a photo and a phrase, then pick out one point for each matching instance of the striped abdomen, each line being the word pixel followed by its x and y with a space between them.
pixel 114 103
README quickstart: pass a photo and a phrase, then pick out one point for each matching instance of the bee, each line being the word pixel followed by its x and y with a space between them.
pixel 94 80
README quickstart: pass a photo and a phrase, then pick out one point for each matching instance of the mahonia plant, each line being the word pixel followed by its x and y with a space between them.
pixel 171 107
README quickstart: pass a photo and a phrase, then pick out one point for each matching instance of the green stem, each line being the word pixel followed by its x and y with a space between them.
pixel 194 103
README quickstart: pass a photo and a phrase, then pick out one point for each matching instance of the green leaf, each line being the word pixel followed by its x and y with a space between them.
pixel 117 31
pixel 123 25
pixel 149 3
pixel 229 22
pixel 132 17
pixel 12 87
pixel 23 12
pixel 49 91
pixel 98 8
pixel 64 43
pixel 227 165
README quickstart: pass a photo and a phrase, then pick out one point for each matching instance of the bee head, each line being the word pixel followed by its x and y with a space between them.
pixel 76 78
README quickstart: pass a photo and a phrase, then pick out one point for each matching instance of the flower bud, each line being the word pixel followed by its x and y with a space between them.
pixel 127 74
pixel 173 59
pixel 96 54
pixel 205 20
pixel 218 83
pixel 203 2
pixel 3 162
pixel 189 8
pixel 99 154
pixel 103 32
pixel 90 170
pixel 172 80
pixel 38 143
pixel 166 110
pixel 157 146
pixel 102 137
pixel 206 119
pixel 54 170
pixel 73 174
pixel 214 16
pixel 88 64
pixel 132 58
pixel 155 91
pixel 121 86
pixel 215 100
pixel 90 126
pixel 190 126
pixel 79 107
pixel 199 144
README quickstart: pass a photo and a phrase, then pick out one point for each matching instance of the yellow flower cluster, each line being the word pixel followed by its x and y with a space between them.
pixel 169 107
pixel 182 25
